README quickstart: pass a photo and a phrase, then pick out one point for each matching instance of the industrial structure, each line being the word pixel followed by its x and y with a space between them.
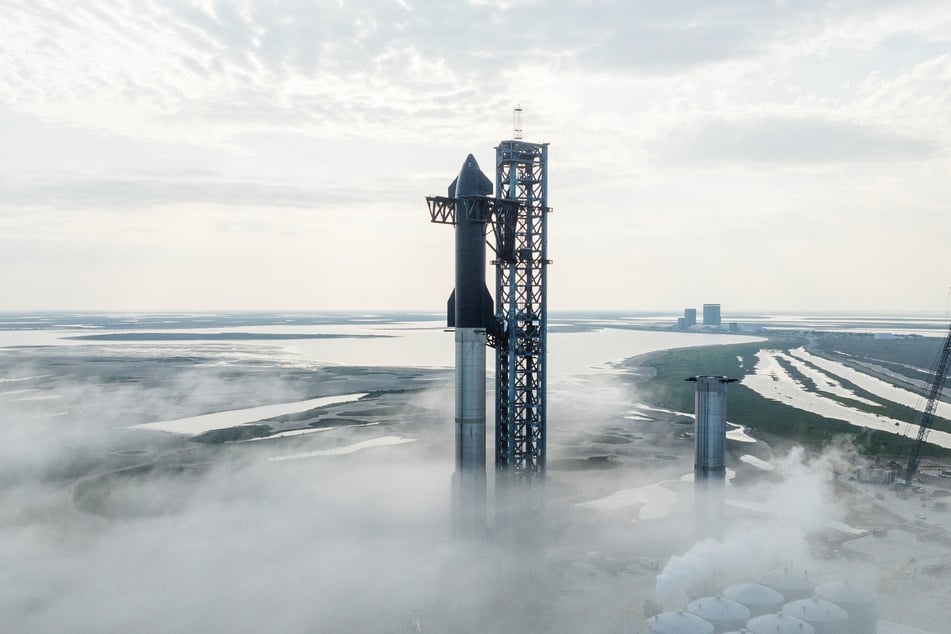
pixel 688 320
pixel 709 467
pixel 724 614
pixel 690 317
pixel 516 328
pixel 711 318
pixel 710 428
pixel 521 283
pixel 939 374
pixel 711 314
pixel 776 605
pixel 757 598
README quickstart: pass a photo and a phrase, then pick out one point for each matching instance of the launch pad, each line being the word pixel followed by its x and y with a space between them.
pixel 516 328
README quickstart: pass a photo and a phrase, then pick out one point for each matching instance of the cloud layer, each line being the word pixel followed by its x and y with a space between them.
pixel 354 112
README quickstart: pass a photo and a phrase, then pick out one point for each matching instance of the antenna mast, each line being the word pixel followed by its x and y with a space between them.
pixel 517 120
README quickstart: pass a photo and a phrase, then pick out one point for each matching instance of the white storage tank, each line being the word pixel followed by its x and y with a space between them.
pixel 778 623
pixel 824 617
pixel 861 604
pixel 792 584
pixel 724 614
pixel 678 622
pixel 759 599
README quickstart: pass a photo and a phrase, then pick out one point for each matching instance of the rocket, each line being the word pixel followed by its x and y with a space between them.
pixel 470 305
pixel 470 313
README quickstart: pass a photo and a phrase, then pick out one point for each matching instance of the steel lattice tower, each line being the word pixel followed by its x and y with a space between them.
pixel 521 309
pixel 518 218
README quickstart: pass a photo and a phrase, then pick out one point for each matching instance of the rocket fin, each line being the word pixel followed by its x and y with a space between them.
pixel 485 187
pixel 451 308
pixel 488 309
pixel 452 187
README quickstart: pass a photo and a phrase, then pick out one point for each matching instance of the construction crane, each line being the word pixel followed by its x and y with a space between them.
pixel 927 418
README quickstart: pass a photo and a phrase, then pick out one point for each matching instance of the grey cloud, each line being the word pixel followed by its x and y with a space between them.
pixel 790 140
pixel 376 70
pixel 327 36
pixel 479 39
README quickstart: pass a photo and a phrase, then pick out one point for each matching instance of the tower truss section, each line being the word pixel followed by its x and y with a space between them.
pixel 521 310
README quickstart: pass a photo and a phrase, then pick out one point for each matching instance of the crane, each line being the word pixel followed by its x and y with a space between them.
pixel 927 418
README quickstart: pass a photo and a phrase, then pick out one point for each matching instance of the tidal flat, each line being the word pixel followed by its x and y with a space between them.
pixel 327 489
pixel 810 389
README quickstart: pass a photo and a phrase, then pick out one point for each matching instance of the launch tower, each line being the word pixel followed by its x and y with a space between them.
pixel 521 309
pixel 517 328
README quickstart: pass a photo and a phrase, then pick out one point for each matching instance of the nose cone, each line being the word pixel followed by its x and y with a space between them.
pixel 471 181
pixel 470 164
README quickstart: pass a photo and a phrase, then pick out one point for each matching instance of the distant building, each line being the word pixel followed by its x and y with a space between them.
pixel 681 323
pixel 690 317
pixel 711 314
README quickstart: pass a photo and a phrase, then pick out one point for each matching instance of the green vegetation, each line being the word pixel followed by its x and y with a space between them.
pixel 231 434
pixel 336 422
pixel 302 417
pixel 917 351
pixel 770 420
pixel 387 410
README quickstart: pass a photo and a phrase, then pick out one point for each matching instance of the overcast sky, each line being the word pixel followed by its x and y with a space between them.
pixel 276 155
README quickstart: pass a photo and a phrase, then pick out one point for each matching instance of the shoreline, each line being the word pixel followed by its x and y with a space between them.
pixel 656 375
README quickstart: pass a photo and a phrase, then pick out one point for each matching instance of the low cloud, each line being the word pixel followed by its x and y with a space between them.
pixel 132 193
pixel 790 140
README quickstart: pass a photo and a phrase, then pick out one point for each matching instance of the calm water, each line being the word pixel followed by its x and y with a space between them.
pixel 422 342
pixel 579 345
